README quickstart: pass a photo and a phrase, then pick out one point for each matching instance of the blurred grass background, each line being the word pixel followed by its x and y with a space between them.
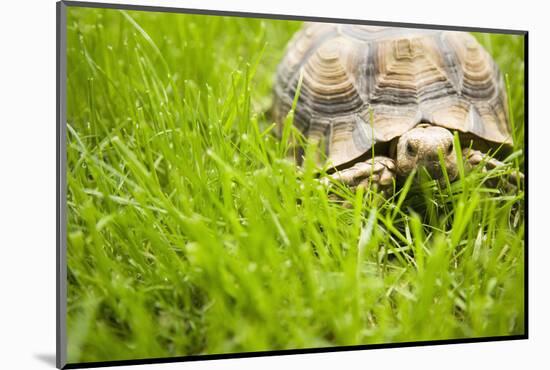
pixel 189 232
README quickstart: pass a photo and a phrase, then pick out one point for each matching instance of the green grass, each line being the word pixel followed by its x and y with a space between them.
pixel 190 233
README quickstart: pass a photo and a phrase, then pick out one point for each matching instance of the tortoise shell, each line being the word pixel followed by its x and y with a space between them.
pixel 363 85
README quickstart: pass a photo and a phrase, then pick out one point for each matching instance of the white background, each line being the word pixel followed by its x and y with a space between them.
pixel 27 182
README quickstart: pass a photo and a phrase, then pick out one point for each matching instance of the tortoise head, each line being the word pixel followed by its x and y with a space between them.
pixel 419 148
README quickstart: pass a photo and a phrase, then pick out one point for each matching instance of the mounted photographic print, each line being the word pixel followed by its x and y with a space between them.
pixel 235 184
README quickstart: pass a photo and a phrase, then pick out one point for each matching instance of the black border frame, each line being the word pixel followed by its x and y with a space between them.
pixel 61 271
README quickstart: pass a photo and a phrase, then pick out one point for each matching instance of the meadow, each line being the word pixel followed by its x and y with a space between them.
pixel 190 232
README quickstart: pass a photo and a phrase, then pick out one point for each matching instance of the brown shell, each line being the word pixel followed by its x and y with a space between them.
pixel 362 85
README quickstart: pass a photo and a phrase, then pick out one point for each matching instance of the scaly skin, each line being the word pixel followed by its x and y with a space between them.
pixel 423 146
pixel 378 173
pixel 474 158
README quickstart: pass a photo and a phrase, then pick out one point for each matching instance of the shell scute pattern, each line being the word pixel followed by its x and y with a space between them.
pixel 363 85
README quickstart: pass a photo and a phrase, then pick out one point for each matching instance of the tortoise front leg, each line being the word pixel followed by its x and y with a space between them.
pixel 474 158
pixel 376 173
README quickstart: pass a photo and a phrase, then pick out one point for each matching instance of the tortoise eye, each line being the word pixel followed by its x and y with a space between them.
pixel 411 150
pixel 450 148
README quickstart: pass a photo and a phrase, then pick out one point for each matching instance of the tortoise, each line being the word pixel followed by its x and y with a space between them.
pixel 398 93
